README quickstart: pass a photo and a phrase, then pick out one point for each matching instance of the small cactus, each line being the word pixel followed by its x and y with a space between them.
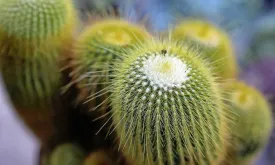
pixel 66 154
pixel 166 106
pixel 36 22
pixel 96 49
pixel 252 124
pixel 99 157
pixel 215 45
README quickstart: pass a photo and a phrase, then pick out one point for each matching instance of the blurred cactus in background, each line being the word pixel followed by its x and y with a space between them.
pixel 214 45
pixel 252 124
pixel 33 33
pixel 137 82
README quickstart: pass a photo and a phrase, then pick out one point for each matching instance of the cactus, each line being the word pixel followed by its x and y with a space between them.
pixel 33 33
pixel 66 154
pixel 98 158
pixel 252 124
pixel 215 45
pixel 96 49
pixel 36 22
pixel 166 106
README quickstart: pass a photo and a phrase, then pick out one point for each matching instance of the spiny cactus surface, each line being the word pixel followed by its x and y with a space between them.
pixel 36 22
pixel 214 44
pixel 252 125
pixel 31 82
pixel 166 106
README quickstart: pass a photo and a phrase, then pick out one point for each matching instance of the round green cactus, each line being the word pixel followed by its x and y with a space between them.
pixel 66 154
pixel 252 124
pixel 214 44
pixel 167 106
pixel 36 22
pixel 96 49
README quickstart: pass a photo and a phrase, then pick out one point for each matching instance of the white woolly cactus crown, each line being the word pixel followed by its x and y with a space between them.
pixel 166 106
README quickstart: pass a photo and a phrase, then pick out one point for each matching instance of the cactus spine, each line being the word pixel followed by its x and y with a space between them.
pixel 215 45
pixel 166 106
pixel 252 126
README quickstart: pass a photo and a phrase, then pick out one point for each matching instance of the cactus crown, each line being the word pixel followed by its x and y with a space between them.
pixel 111 32
pixel 36 20
pixel 253 122
pixel 200 31
pixel 215 44
pixel 166 105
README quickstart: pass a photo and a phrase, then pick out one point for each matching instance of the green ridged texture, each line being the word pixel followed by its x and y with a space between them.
pixel 180 122
pixel 35 21
pixel 96 49
pixel 31 82
pixel 252 125
pixel 66 154
pixel 214 45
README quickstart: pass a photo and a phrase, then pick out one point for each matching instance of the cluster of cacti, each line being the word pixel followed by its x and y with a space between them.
pixel 160 101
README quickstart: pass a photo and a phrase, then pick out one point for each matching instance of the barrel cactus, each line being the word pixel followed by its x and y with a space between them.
pixel 95 50
pixel 214 44
pixel 33 34
pixel 252 125
pixel 166 106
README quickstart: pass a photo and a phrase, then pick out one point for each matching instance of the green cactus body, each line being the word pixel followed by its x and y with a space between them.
pixel 34 23
pixel 215 45
pixel 66 154
pixel 252 126
pixel 166 106
pixel 31 82
pixel 96 49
